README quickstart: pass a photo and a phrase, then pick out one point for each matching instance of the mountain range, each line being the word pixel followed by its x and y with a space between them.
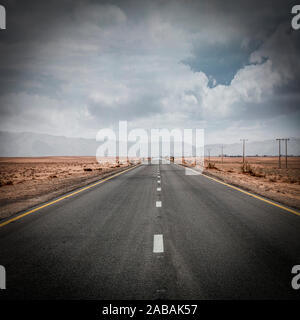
pixel 29 144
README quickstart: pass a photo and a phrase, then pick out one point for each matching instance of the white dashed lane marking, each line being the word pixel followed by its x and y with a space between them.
pixel 158 204
pixel 158 189
pixel 158 243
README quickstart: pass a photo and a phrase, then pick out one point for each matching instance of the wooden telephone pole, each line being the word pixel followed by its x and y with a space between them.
pixel 208 150
pixel 279 151
pixel 222 146
pixel 244 140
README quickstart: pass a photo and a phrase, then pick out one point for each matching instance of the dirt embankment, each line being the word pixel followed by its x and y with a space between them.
pixel 260 175
pixel 26 182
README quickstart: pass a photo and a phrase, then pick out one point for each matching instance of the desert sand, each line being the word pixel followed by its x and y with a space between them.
pixel 26 182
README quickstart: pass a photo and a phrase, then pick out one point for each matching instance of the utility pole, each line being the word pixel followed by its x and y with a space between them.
pixel 286 140
pixel 222 152
pixel 244 140
pixel 182 151
pixel 208 150
pixel 279 163
pixel 279 151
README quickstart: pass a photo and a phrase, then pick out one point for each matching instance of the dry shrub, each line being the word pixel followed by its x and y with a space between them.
pixel 255 172
pixel 211 165
pixel 88 169
pixel 258 172
pixel 246 168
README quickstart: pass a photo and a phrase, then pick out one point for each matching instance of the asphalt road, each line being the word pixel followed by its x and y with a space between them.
pixel 212 242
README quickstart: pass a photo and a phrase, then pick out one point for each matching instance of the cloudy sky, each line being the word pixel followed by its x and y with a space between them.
pixel 73 67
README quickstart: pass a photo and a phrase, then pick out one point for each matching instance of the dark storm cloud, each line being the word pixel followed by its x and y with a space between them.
pixel 71 65
pixel 220 61
pixel 253 21
pixel 13 81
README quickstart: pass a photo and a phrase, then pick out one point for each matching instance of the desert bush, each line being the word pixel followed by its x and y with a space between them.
pixel 258 172
pixel 272 179
pixel 246 168
pixel 255 172
pixel 88 169
pixel 211 165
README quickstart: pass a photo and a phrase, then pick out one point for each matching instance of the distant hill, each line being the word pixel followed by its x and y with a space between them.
pixel 38 145
pixel 29 144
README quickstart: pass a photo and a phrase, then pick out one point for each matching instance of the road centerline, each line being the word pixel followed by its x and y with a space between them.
pixel 158 243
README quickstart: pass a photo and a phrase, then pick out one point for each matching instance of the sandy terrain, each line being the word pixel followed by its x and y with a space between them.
pixel 260 175
pixel 25 182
